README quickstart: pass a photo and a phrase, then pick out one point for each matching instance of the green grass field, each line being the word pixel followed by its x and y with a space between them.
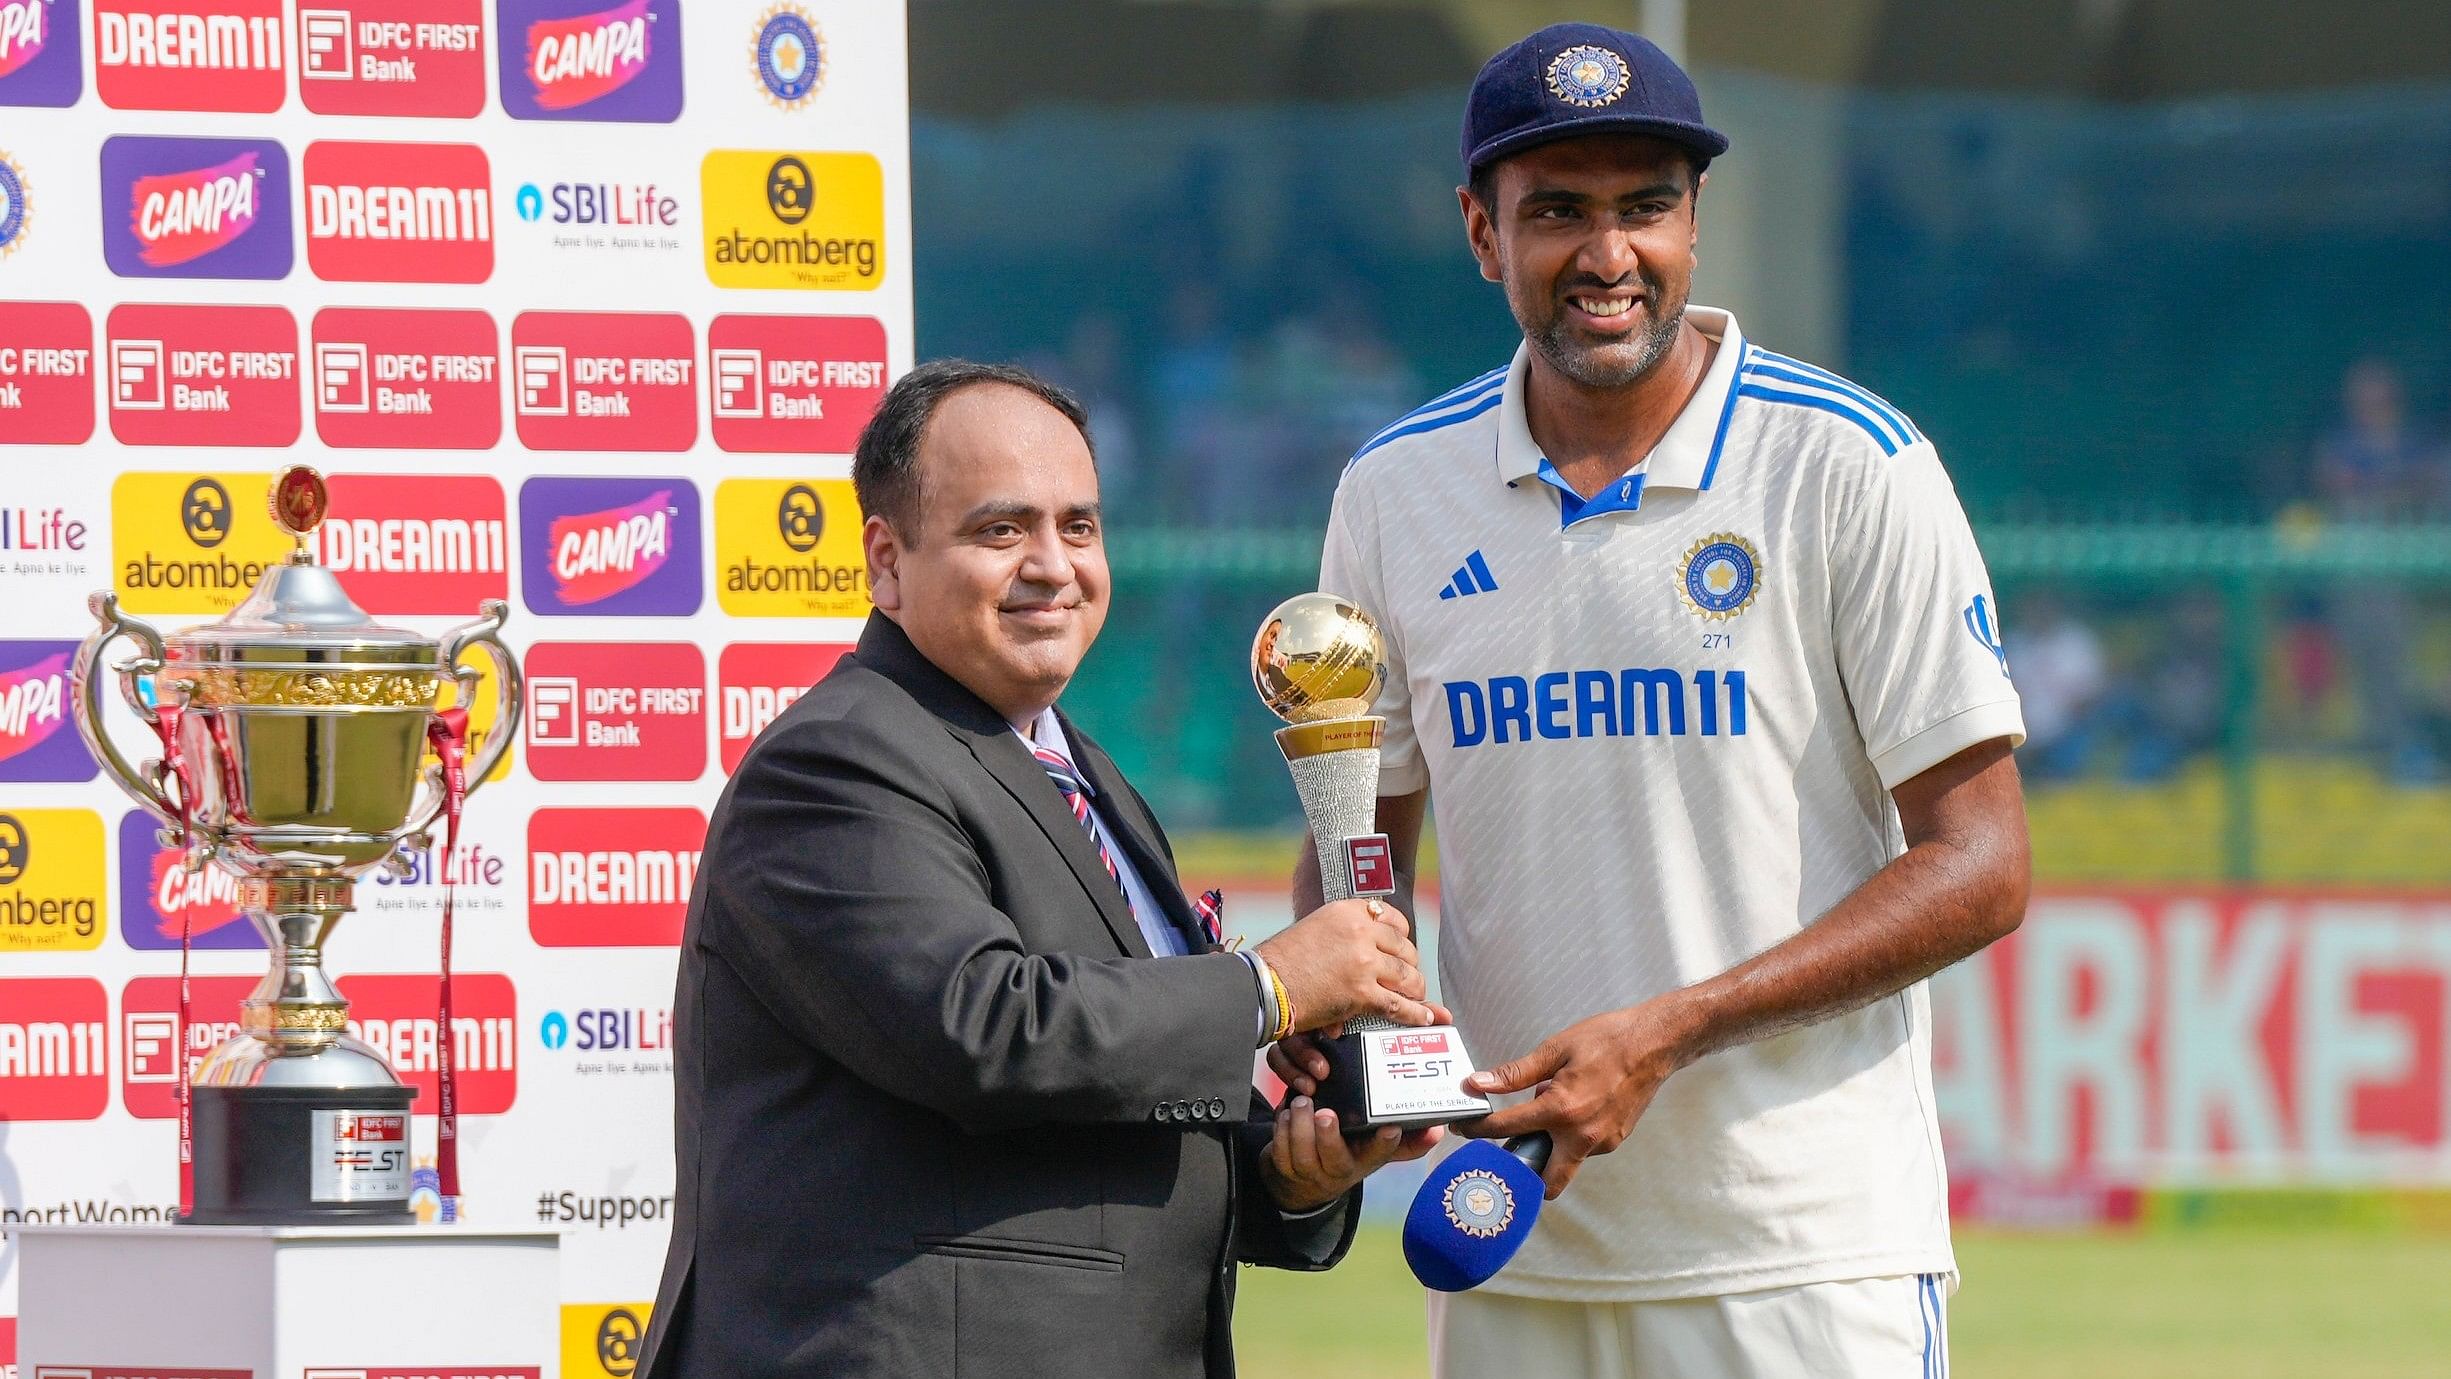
pixel 2204 1305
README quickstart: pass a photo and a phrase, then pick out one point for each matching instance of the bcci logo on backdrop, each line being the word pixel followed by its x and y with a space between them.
pixel 609 547
pixel 182 545
pixel 38 742
pixel 813 221
pixel 51 887
pixel 16 207
pixel 203 375
pixel 789 548
pixel 190 55
pixel 195 208
pixel 55 1048
pixel 583 60
pixel 41 57
pixel 393 57
pixel 787 52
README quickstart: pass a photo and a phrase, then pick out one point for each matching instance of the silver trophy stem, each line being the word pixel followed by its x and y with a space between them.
pixel 295 1008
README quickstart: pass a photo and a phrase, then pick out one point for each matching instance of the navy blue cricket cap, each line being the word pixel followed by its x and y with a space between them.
pixel 1574 79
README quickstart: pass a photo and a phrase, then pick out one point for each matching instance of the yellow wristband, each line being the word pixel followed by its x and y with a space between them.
pixel 1285 1007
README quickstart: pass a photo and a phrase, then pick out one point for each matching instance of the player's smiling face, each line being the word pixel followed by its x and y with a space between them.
pixel 1593 239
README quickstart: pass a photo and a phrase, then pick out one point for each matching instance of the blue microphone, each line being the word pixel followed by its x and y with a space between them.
pixel 1474 1211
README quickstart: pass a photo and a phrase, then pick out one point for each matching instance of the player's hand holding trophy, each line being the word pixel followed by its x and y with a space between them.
pixel 294 734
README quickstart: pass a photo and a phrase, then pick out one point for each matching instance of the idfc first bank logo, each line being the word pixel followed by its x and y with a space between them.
pixel 203 375
pixel 393 57
pixel 37 739
pixel 606 711
pixel 610 547
pixel 190 55
pixel 46 384
pixel 562 60
pixel 41 57
pixel 195 208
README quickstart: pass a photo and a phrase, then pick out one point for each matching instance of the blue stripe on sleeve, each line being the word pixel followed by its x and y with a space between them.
pixel 1822 404
pixel 1451 396
pixel 1396 433
pixel 1853 389
pixel 1807 380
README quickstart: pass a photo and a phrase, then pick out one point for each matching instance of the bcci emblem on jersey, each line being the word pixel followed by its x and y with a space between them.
pixel 1721 575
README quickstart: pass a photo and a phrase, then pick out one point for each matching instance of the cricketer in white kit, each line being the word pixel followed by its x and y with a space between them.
pixel 1692 645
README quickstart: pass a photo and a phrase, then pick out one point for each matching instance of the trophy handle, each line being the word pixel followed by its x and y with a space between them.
pixel 510 695
pixel 85 699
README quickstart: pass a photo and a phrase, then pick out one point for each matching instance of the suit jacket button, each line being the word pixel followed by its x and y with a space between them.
pixel 1182 1110
pixel 1162 1112
pixel 1217 1108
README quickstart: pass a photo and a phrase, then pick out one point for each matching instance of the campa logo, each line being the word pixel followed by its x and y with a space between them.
pixel 609 547
pixel 587 61
pixel 37 739
pixel 191 543
pixel 195 208
pixel 41 53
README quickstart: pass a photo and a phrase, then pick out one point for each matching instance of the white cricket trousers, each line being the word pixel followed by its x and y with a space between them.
pixel 1873 1328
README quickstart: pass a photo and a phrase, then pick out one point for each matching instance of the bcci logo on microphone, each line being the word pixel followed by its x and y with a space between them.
pixel 790 548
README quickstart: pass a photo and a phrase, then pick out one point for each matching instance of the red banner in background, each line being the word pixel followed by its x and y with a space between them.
pixel 2199 1038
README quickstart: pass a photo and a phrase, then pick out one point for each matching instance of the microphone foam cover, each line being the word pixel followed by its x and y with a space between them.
pixel 1472 1213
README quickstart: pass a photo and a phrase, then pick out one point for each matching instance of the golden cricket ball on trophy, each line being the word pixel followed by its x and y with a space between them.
pixel 1318 657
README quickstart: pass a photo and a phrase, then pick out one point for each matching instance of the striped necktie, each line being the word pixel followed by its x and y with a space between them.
pixel 1076 797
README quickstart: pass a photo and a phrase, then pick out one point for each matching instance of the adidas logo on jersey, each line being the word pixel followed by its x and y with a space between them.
pixel 1471 577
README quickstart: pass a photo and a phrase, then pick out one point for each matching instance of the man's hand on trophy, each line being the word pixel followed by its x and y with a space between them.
pixel 1309 1164
pixel 1348 958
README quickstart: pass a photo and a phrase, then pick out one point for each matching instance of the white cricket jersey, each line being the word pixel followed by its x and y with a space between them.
pixel 1659 729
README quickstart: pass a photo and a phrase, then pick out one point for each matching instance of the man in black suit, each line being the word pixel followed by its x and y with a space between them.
pixel 939 1112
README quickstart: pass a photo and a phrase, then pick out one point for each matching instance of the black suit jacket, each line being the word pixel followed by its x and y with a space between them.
pixel 938 1113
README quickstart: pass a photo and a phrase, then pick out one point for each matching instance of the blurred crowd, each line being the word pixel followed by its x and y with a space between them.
pixel 2114 687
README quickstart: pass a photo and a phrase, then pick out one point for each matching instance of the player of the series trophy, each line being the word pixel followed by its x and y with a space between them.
pixel 294 733
pixel 1317 663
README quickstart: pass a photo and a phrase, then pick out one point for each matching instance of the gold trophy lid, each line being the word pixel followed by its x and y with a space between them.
pixel 298 610
pixel 1318 658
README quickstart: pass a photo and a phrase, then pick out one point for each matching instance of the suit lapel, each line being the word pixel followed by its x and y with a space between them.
pixel 1136 832
pixel 1005 758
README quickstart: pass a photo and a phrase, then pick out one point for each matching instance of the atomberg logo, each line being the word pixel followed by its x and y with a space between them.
pixel 604 711
pixel 190 55
pixel 793 384
pixel 424 380
pixel 416 543
pixel 757 681
pixel 41 57
pixel 585 380
pixel 55 1048
pixel 789 548
pixel 38 741
pixel 396 1014
pixel 813 221
pixel 149 1036
pixel 182 544
pixel 46 376
pixel 562 60
pixel 399 212
pixel 611 877
pixel 609 547
pixel 158 894
pixel 203 375
pixel 51 881
pixel 393 57
pixel 195 208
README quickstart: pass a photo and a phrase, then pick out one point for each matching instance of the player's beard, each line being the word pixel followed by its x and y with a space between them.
pixel 1617 363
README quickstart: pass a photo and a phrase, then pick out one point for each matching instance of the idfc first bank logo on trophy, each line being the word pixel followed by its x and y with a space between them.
pixel 294 735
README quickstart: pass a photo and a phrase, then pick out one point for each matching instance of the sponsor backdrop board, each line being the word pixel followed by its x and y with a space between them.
pixel 576 303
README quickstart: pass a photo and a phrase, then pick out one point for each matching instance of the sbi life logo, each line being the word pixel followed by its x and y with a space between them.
pixel 639 205
pixel 586 1030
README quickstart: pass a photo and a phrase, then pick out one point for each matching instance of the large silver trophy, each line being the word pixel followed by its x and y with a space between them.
pixel 293 734
pixel 1317 663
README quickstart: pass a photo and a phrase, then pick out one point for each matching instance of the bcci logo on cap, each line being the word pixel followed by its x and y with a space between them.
pixel 1588 76
pixel 1480 1203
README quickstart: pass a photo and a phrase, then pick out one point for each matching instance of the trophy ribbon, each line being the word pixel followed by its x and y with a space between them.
pixel 174 763
pixel 447 730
